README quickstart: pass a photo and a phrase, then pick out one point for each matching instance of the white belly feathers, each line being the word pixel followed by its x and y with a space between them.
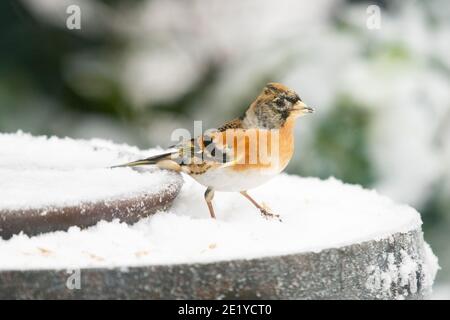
pixel 227 179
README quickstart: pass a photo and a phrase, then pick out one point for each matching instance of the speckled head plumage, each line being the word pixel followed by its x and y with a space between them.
pixel 275 104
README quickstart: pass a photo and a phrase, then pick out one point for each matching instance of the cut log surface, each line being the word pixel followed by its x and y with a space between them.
pixel 335 241
pixel 50 184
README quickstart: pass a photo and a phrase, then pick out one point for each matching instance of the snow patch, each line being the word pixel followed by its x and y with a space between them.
pixel 400 275
pixel 38 172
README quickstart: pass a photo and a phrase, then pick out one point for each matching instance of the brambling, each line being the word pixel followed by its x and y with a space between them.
pixel 243 153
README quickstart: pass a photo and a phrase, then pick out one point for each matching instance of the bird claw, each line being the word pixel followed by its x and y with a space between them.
pixel 268 215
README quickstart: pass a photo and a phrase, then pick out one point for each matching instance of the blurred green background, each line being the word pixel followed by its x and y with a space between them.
pixel 137 70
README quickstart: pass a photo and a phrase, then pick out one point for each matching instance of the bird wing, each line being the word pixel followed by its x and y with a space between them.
pixel 232 124
pixel 205 149
pixel 225 148
pixel 209 148
pixel 214 149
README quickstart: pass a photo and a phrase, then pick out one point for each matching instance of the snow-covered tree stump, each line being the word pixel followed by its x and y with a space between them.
pixel 336 241
pixel 54 184
pixel 392 268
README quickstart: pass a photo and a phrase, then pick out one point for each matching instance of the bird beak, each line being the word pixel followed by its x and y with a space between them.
pixel 302 108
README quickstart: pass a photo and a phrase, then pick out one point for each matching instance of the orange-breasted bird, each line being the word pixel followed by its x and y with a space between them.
pixel 243 153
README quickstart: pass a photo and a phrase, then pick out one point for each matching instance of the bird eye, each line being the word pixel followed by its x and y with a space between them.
pixel 293 99
pixel 280 102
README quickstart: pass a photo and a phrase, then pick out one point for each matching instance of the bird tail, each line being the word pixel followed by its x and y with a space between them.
pixel 146 161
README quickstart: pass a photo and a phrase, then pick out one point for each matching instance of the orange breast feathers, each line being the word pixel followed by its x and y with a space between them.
pixel 257 148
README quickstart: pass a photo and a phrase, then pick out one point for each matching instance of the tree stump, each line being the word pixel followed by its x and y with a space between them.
pixel 368 270
pixel 51 184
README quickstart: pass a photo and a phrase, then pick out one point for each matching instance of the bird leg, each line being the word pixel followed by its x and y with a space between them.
pixel 265 213
pixel 209 195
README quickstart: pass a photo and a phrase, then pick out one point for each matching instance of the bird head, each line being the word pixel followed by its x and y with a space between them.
pixel 275 104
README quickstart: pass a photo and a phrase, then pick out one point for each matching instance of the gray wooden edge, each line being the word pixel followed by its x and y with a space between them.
pixel 356 271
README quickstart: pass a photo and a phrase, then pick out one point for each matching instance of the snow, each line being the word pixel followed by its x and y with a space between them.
pixel 431 265
pixel 316 214
pixel 38 172
pixel 403 271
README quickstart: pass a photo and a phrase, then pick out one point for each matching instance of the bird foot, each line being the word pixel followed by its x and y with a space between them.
pixel 268 215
